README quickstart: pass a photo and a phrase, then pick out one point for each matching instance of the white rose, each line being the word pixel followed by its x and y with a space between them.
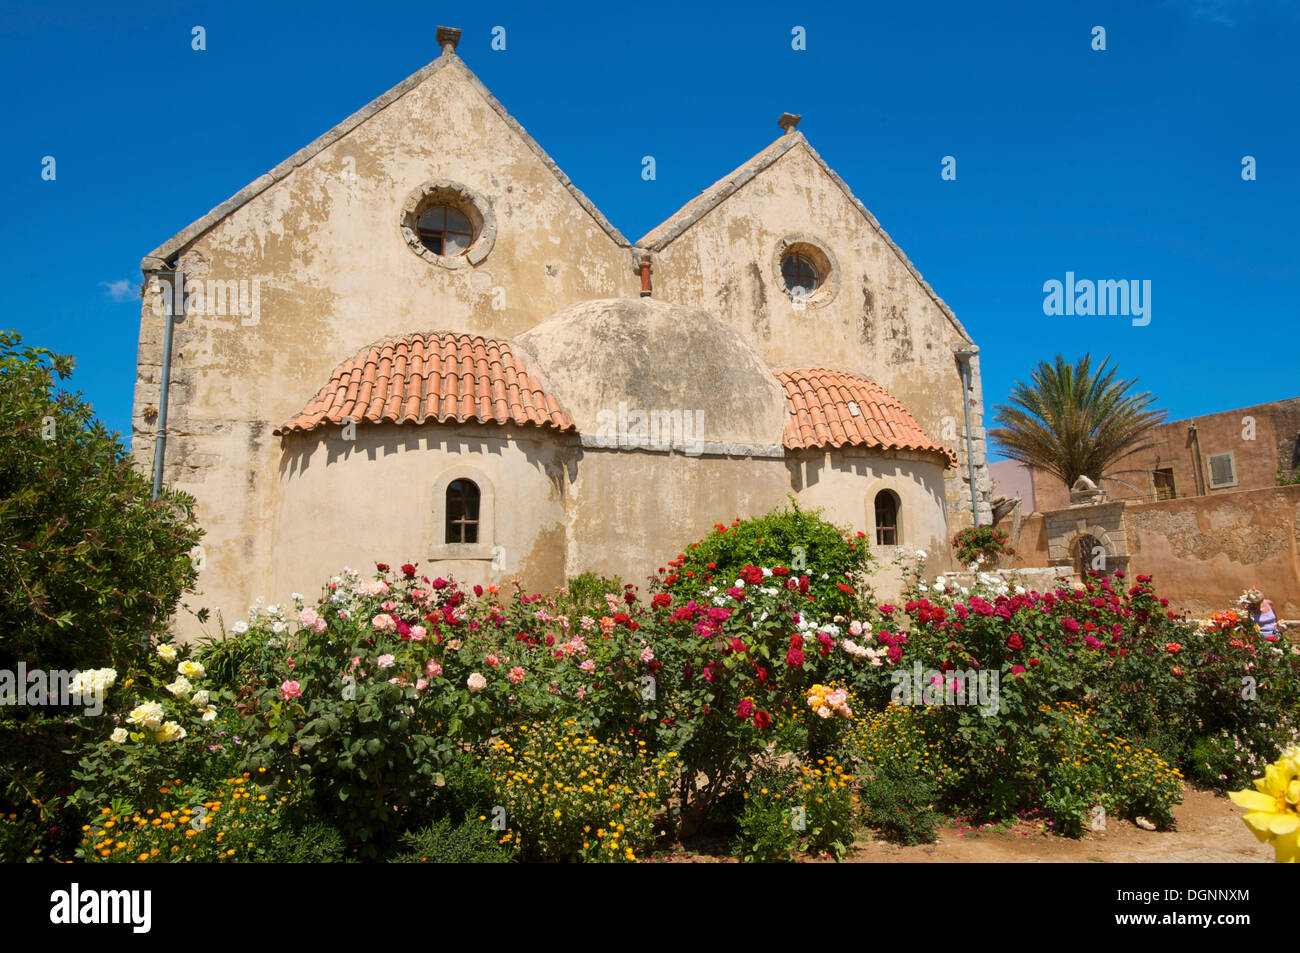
pixel 209 713
pixel 170 731
pixel 180 687
pixel 239 628
pixel 200 698
pixel 167 652
pixel 118 736
pixel 148 715
pixel 191 669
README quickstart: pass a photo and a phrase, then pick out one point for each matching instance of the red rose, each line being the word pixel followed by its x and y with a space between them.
pixel 408 570
pixel 780 571
pixel 1014 643
pixel 796 641
pixel 661 600
pixel 752 575
pixel 745 710
pixel 794 658
pixel 844 588
pixel 382 567
pixel 762 720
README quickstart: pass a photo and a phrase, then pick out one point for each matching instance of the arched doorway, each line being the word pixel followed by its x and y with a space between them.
pixel 1083 551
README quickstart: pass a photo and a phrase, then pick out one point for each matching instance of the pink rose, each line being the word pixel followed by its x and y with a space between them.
pixel 647 655
pixel 421 684
pixel 432 669
pixel 476 682
pixel 383 623
pixel 588 666
pixel 290 690
pixel 387 661
pixel 493 661
pixel 516 674
pixel 418 633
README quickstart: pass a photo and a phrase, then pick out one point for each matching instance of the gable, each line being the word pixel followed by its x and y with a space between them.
pixel 713 197
pixel 165 254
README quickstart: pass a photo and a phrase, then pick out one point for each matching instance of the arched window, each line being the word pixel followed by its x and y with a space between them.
pixel 462 511
pixel 887 533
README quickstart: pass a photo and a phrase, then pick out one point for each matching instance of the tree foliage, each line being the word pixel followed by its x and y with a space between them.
pixel 1072 421
pixel 91 565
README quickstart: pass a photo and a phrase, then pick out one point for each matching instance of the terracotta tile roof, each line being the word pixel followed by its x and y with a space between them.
pixel 436 376
pixel 821 402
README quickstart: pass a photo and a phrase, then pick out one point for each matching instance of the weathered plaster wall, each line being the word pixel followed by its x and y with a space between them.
pixel 844 483
pixel 1203 551
pixel 378 499
pixel 336 274
pixel 1262 440
pixel 880 323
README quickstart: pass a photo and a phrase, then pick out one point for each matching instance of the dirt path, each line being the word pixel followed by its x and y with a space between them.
pixel 1208 830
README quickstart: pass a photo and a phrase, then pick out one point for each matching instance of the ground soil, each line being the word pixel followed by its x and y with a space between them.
pixel 1208 829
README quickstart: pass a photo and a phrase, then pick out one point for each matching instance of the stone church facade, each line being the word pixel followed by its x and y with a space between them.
pixel 444 353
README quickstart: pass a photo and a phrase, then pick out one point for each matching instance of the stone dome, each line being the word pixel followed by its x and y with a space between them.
pixel 655 357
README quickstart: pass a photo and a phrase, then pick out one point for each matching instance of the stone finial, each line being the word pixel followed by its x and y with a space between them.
pixel 788 121
pixel 448 37
pixel 1085 492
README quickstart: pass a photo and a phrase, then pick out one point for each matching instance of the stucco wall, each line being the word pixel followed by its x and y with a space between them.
pixel 378 499
pixel 558 509
pixel 1261 439
pixel 881 322
pixel 335 275
pixel 1203 551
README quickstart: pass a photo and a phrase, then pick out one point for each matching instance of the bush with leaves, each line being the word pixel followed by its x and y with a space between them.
pixel 836 562
pixel 445 842
pixel 91 568
pixel 981 546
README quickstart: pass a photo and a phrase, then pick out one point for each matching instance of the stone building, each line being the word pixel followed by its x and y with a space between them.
pixel 1245 449
pixel 442 352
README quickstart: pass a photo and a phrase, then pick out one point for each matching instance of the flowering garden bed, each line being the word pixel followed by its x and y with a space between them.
pixel 755 692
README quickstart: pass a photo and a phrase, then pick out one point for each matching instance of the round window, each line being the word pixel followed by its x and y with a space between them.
pixel 798 272
pixel 448 224
pixel 444 231
pixel 806 270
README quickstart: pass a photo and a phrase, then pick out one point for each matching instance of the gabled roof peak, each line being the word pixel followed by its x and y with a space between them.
pixel 447 37
pixel 664 234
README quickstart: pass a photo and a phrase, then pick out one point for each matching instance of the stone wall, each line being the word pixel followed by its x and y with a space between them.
pixel 1202 551
pixel 1262 440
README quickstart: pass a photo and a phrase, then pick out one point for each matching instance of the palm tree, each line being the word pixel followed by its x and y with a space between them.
pixel 1074 422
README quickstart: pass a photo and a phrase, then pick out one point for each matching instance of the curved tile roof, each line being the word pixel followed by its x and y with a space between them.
pixel 821 404
pixel 435 376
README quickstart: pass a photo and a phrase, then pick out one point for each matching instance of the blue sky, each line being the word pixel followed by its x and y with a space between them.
pixel 1117 164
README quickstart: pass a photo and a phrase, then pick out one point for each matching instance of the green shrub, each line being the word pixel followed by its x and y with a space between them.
pixel 899 804
pixel 444 842
pixel 91 565
pixel 980 545
pixel 768 827
pixel 91 568
pixel 835 561
pixel 561 794
pixel 825 792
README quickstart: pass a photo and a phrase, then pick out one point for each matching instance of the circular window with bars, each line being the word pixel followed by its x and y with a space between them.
pixel 448 224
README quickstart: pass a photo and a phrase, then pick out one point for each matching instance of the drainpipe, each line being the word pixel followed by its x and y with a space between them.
pixel 174 313
pixel 963 359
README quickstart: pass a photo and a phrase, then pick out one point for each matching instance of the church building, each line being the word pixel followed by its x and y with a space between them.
pixel 416 340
